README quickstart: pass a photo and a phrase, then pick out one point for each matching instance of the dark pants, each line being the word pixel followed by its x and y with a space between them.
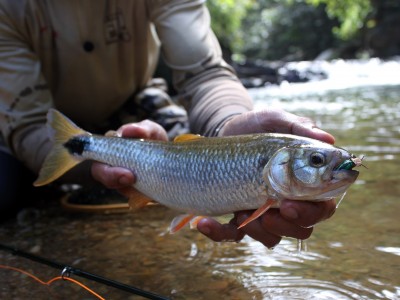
pixel 16 189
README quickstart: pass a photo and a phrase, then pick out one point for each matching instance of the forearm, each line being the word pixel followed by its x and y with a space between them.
pixel 215 101
pixel 209 88
pixel 31 145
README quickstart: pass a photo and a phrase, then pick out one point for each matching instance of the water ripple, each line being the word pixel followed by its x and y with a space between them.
pixel 282 286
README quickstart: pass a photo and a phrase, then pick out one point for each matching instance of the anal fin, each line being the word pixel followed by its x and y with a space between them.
pixel 136 199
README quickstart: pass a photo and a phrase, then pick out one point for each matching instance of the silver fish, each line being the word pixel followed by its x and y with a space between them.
pixel 210 176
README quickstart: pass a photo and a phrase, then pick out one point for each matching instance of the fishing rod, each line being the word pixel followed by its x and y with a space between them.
pixel 66 271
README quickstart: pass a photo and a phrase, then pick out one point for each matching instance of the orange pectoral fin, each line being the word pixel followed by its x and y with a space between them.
pixel 179 222
pixel 258 212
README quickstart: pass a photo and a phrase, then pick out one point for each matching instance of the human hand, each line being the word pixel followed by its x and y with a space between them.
pixel 274 120
pixel 122 179
pixel 293 218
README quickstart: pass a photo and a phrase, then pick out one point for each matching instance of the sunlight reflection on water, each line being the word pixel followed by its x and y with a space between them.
pixel 392 250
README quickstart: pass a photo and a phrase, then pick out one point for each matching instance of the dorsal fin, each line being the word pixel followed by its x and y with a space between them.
pixel 187 137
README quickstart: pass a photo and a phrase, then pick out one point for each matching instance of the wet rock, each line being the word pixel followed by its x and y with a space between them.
pixel 258 74
pixel 27 216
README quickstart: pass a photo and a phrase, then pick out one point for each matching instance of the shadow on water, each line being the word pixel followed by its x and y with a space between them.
pixel 353 255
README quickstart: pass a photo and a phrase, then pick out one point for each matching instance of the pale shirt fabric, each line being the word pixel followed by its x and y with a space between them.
pixel 43 64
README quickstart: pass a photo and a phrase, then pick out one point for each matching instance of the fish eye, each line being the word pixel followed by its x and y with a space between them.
pixel 317 159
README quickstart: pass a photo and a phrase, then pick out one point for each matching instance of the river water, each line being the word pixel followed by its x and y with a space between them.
pixel 353 255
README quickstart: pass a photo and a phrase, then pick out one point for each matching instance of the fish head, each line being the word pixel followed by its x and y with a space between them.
pixel 307 172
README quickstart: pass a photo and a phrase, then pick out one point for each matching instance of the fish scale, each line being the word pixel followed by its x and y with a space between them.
pixel 203 176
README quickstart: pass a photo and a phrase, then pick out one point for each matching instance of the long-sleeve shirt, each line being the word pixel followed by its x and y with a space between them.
pixel 86 58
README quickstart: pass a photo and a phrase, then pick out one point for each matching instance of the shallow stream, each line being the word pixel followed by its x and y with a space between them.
pixel 353 255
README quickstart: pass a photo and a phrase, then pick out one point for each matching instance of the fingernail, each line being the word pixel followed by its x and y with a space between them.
pixel 290 213
pixel 323 135
pixel 123 180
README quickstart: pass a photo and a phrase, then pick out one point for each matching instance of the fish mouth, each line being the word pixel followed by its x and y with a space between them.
pixel 345 175
pixel 339 183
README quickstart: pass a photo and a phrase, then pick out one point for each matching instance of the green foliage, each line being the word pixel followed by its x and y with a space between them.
pixel 226 21
pixel 351 14
pixel 289 30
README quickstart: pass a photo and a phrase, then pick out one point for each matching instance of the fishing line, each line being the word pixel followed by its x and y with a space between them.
pixel 341 199
pixel 53 280
pixel 68 270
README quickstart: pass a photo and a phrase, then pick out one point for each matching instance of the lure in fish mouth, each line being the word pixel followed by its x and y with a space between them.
pixel 208 176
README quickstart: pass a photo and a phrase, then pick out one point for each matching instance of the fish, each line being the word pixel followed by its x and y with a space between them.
pixel 208 176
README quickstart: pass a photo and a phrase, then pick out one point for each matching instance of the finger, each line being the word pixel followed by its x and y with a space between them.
pixel 307 213
pixel 145 129
pixel 279 226
pixel 112 177
pixel 257 231
pixel 275 120
pixel 278 120
pixel 242 124
pixel 219 232
pixel 309 129
pixel 267 120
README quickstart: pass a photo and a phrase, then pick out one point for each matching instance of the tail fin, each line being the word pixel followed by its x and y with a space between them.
pixel 59 160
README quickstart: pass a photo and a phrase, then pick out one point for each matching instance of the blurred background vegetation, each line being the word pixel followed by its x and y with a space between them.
pixel 291 30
